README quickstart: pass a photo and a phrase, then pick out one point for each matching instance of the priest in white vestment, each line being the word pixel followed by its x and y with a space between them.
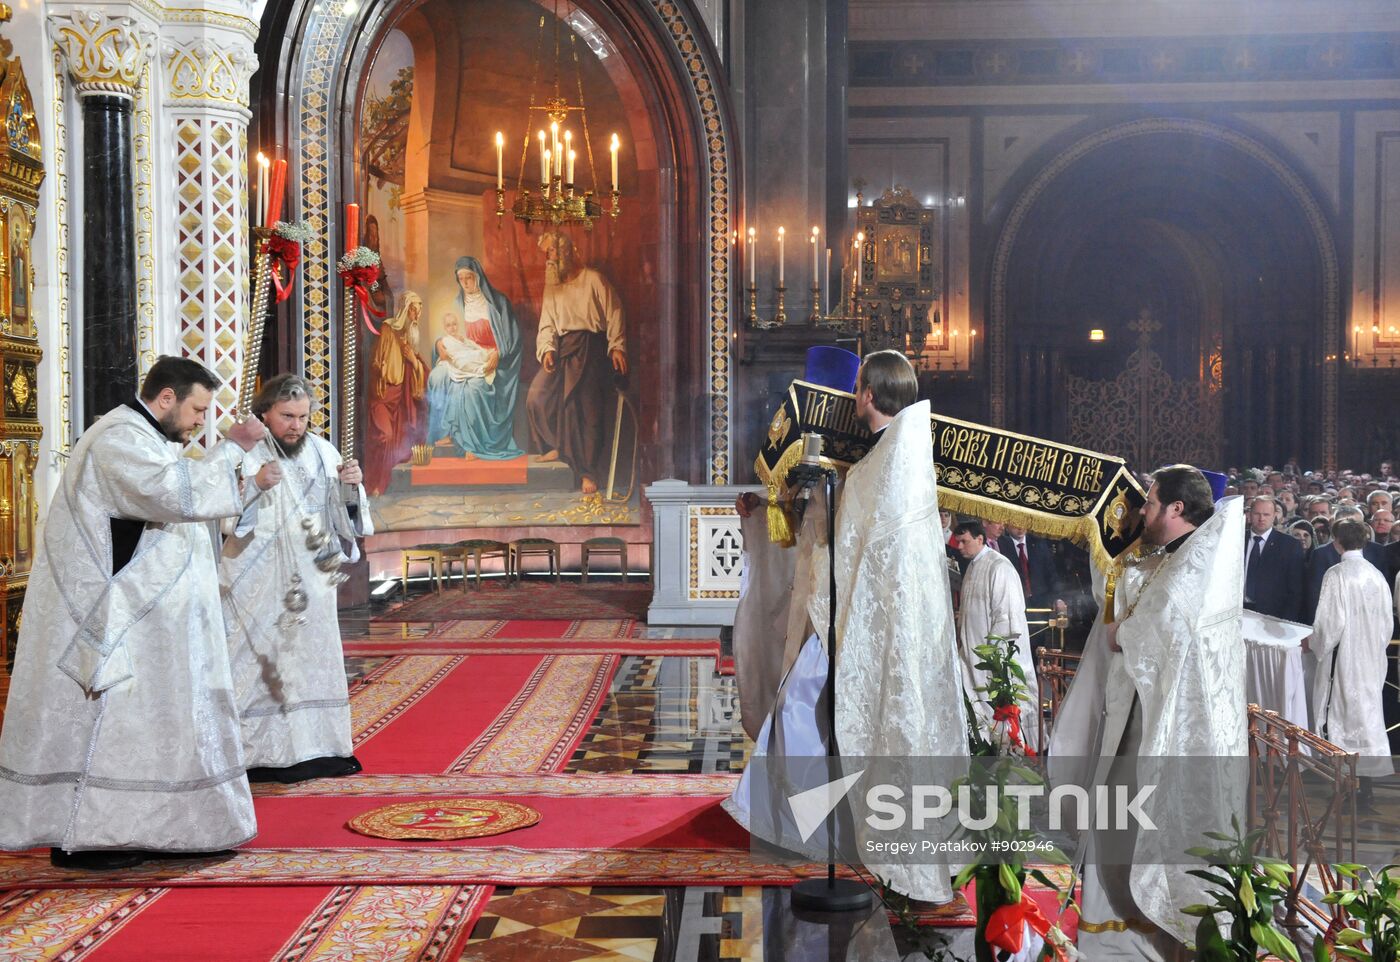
pixel 121 736
pixel 288 666
pixel 1351 632
pixel 898 687
pixel 1171 683
pixel 992 602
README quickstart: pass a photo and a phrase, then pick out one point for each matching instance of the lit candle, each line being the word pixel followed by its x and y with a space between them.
pixel 816 254
pixel 752 259
pixel 544 162
pixel 274 197
pixel 1355 339
pixel 569 154
pixel 500 161
pixel 570 178
pixel 260 192
pixel 352 227
pixel 860 256
pixel 548 161
pixel 826 283
pixel 613 149
pixel 554 138
pixel 557 154
pixel 781 234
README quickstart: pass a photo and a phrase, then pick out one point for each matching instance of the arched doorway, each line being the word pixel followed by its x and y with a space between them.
pixel 1218 240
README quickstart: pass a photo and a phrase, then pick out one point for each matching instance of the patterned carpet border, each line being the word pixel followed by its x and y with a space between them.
pixel 424 923
pixel 392 689
pixel 503 865
pixel 548 785
pixel 543 600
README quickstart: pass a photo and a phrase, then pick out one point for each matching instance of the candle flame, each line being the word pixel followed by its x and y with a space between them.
pixel 751 233
pixel 615 143
pixel 500 139
pixel 782 231
pixel 262 159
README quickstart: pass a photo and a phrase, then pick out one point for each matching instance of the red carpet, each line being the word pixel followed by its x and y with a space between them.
pixel 542 599
pixel 422 713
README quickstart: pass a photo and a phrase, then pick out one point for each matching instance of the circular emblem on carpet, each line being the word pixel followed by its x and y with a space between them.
pixel 446 818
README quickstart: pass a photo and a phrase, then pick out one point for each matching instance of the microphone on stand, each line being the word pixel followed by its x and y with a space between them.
pixel 809 472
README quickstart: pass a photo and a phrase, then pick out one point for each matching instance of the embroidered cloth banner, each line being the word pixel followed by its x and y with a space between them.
pixel 1049 488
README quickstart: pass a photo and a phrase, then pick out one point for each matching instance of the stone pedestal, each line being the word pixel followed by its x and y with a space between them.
pixel 698 551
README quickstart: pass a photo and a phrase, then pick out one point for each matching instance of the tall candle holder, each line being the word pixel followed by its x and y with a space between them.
pixel 816 315
pixel 260 301
pixel 349 373
pixel 780 315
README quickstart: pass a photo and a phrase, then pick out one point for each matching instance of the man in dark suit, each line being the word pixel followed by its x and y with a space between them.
pixel 1325 557
pixel 1040 580
pixel 1273 565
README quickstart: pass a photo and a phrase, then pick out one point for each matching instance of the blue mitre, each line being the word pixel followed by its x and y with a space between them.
pixel 833 367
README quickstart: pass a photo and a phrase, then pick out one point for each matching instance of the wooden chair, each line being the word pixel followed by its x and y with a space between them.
pixel 605 546
pixel 477 549
pixel 523 548
pixel 435 556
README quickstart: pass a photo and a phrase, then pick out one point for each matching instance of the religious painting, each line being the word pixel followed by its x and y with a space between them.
pixel 506 383
pixel 21 229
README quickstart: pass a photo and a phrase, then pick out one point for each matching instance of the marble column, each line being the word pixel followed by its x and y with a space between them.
pixel 109 256
pixel 105 57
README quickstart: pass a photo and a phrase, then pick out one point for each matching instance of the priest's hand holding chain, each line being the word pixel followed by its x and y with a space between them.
pixel 247 434
pixel 350 472
pixel 268 475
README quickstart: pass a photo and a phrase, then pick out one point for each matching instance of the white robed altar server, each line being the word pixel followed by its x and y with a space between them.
pixel 289 667
pixel 992 602
pixel 1171 682
pixel 898 685
pixel 121 735
pixel 1350 634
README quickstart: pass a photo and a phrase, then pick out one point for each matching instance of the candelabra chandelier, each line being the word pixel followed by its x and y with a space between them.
pixel 556 198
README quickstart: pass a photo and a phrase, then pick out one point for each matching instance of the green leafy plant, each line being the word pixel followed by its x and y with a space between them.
pixel 1374 906
pixel 1244 889
pixel 999 871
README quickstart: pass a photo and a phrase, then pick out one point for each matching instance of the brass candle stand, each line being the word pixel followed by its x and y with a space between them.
pixel 349 374
pixel 260 300
pixel 779 317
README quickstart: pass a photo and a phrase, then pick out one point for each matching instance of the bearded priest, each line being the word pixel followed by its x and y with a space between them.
pixel 1169 686
pixel 121 735
pixel 279 576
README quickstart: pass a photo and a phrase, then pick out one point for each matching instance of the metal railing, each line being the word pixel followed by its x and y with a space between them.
pixel 1302 794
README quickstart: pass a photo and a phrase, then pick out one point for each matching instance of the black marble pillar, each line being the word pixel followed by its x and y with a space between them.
pixel 109 256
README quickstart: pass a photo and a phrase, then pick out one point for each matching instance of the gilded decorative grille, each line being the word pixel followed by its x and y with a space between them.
pixel 1144 415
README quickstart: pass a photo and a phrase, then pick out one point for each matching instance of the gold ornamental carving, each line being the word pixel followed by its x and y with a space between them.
pixel 208 73
pixel 104 55
pixel 1145 414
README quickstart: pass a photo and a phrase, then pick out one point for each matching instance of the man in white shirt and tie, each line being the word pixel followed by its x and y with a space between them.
pixel 1273 565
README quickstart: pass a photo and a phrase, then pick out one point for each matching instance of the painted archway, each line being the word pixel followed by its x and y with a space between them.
pixel 322 52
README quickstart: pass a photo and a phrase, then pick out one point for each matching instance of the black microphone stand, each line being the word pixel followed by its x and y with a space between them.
pixel 830 894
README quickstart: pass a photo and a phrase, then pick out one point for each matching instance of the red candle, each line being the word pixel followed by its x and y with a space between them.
pixel 352 227
pixel 274 193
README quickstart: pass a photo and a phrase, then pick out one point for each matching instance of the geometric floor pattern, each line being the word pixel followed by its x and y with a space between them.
pixel 614 923
pixel 665 714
